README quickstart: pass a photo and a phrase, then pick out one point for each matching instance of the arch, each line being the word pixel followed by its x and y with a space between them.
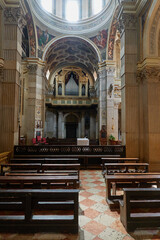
pixel 112 35
pixel 151 31
pixel 71 113
pixel 54 40
pixel 90 76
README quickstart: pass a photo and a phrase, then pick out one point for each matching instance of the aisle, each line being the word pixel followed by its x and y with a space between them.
pixel 96 221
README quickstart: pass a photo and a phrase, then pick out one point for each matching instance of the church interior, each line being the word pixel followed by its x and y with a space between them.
pixel 79 98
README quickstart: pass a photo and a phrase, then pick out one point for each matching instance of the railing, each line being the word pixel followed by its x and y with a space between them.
pixel 70 150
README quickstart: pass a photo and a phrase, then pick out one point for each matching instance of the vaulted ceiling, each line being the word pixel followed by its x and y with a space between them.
pixel 71 51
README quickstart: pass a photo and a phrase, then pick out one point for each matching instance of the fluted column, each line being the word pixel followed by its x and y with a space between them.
pixel 129 87
pixel 149 85
pixel 11 23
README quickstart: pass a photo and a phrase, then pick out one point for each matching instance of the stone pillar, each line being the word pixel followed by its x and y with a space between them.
pixel 35 109
pixel 97 127
pixel 149 84
pixel 83 125
pixel 79 128
pixel 54 125
pixel 102 102
pixel 129 86
pixel 92 126
pixel 110 99
pixel 10 77
pixel 60 119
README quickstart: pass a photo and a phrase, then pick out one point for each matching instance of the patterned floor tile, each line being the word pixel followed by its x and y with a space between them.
pixel 96 221
pixel 96 198
pixel 110 233
pixel 100 207
pixel 94 228
pixel 88 202
pixel 91 213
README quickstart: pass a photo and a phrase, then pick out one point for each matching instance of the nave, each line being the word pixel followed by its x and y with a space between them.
pixel 96 220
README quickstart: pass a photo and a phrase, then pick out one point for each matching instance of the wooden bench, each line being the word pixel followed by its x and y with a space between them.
pixel 44 160
pixel 39 210
pixel 125 180
pixel 117 160
pixel 112 168
pixel 39 181
pixel 21 167
pixel 137 209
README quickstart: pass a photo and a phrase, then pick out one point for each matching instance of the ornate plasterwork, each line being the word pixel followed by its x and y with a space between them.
pixel 153 31
pixel 126 21
pixel 14 16
pixel 149 75
pixel 32 68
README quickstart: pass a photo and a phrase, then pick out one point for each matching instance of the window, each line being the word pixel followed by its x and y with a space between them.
pixel 72 10
pixel 47 5
pixel 96 6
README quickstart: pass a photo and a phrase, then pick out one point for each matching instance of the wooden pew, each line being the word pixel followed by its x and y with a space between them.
pixel 112 168
pixel 21 167
pixel 39 210
pixel 146 201
pixel 117 160
pixel 39 181
pixel 44 160
pixel 127 180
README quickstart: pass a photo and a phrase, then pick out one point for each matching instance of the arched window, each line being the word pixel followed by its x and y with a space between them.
pixel 97 6
pixel 72 10
pixel 47 5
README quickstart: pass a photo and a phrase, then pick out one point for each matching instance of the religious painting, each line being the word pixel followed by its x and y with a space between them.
pixel 101 39
pixel 43 38
pixel 31 34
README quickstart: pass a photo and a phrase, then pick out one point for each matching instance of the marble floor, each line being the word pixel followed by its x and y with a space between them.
pixel 96 221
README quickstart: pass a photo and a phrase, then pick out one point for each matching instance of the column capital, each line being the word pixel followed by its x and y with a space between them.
pixel 126 21
pixel 32 68
pixel 149 74
pixel 14 16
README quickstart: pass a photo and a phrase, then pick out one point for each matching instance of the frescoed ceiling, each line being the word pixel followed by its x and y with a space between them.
pixel 72 51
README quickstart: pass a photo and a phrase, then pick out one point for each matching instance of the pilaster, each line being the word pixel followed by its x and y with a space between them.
pixel 148 78
pixel 10 83
pixel 103 103
pixel 129 88
pixel 35 117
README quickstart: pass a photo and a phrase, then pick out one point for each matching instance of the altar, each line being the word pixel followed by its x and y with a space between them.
pixel 83 141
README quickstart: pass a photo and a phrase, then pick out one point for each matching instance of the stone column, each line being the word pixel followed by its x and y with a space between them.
pixel 60 119
pixel 110 99
pixel 10 78
pixel 54 125
pixel 92 126
pixel 79 128
pixel 149 84
pixel 129 87
pixel 35 109
pixel 83 125
pixel 102 100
